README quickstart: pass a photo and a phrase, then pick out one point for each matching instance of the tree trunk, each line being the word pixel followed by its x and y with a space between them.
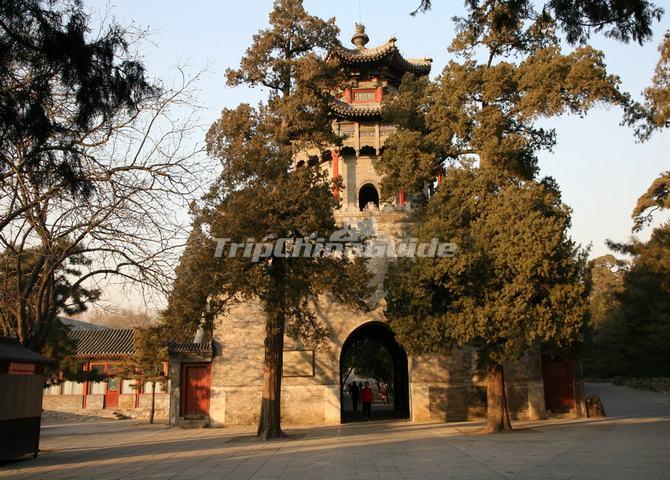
pixel 269 422
pixel 153 402
pixel 497 414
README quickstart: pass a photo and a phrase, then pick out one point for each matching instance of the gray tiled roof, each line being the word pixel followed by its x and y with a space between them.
pixel 174 347
pixel 11 351
pixel 109 342
pixel 348 110
pixel 388 52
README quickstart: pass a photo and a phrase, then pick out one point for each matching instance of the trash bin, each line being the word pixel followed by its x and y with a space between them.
pixel 21 389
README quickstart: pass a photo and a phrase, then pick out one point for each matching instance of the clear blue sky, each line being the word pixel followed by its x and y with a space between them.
pixel 598 164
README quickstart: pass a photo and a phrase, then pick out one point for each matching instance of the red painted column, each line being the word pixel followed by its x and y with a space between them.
pixel 336 173
pixel 87 384
pixel 439 180
pixel 379 92
pixel 401 198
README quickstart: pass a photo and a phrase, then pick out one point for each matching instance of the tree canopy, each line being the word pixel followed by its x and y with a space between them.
pixel 624 21
pixel 631 326
pixel 57 84
pixel 488 102
pixel 260 197
pixel 93 163
pixel 516 281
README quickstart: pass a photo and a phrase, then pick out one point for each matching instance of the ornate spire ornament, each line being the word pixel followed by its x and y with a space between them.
pixel 360 39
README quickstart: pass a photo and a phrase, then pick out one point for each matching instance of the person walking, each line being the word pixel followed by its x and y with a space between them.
pixel 366 398
pixel 384 392
pixel 354 392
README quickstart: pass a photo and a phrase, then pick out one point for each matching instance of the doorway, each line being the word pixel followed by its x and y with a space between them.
pixel 368 197
pixel 195 390
pixel 112 392
pixel 371 353
pixel 559 391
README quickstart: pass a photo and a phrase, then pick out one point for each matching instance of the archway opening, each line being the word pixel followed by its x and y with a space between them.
pixel 372 354
pixel 366 195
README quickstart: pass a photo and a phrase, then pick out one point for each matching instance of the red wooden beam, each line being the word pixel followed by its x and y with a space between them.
pixel 336 172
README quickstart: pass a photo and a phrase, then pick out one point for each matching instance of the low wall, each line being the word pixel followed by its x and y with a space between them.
pixel 95 403
pixel 63 403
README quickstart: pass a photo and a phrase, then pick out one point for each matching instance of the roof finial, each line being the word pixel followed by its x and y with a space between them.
pixel 360 39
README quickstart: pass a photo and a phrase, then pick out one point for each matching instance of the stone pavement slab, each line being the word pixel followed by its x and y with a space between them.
pixel 633 443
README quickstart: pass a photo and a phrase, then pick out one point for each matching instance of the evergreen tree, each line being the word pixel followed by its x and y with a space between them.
pixel 65 295
pixel 197 276
pixel 654 113
pixel 488 103
pixel 624 21
pixel 511 72
pixel 657 197
pixel 92 160
pixel 640 329
pixel 516 281
pixel 605 349
pixel 259 196
pixel 56 86
pixel 368 359
pixel 146 365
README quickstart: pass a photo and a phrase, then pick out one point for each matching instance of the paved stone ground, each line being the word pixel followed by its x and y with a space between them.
pixel 633 443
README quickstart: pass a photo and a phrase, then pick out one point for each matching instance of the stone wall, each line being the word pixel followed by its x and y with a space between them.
pixel 441 388
pixel 95 403
pixel 62 403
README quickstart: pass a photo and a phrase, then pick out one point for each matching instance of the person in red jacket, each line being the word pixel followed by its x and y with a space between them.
pixel 366 398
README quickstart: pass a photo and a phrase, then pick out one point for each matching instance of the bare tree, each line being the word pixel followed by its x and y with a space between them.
pixel 140 170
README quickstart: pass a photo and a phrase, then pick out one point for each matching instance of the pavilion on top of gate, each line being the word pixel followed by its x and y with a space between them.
pixel 356 110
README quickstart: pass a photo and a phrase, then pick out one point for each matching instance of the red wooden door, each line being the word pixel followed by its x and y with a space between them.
pixel 112 392
pixel 195 388
pixel 559 395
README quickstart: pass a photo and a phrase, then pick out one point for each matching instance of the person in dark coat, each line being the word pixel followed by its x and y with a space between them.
pixel 354 392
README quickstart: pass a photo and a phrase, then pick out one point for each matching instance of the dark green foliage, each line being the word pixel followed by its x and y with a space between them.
pixel 645 303
pixel 654 113
pixel 657 197
pixel 259 196
pixel 631 335
pixel 368 359
pixel 516 281
pixel 622 20
pixel 197 277
pixel 489 101
pixel 61 348
pixel 56 85
pixel 606 342
pixel 60 292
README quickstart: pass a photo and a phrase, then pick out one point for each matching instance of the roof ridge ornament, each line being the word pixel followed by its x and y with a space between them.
pixel 360 39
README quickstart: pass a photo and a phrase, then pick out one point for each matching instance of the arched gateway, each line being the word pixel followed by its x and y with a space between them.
pixel 429 388
pixel 379 336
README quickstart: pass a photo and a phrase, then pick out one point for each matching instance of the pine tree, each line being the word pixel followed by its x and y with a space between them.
pixel 489 101
pixel 57 85
pixel 260 196
pixel 515 282
pixel 146 365
pixel 623 21
pixel 511 72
